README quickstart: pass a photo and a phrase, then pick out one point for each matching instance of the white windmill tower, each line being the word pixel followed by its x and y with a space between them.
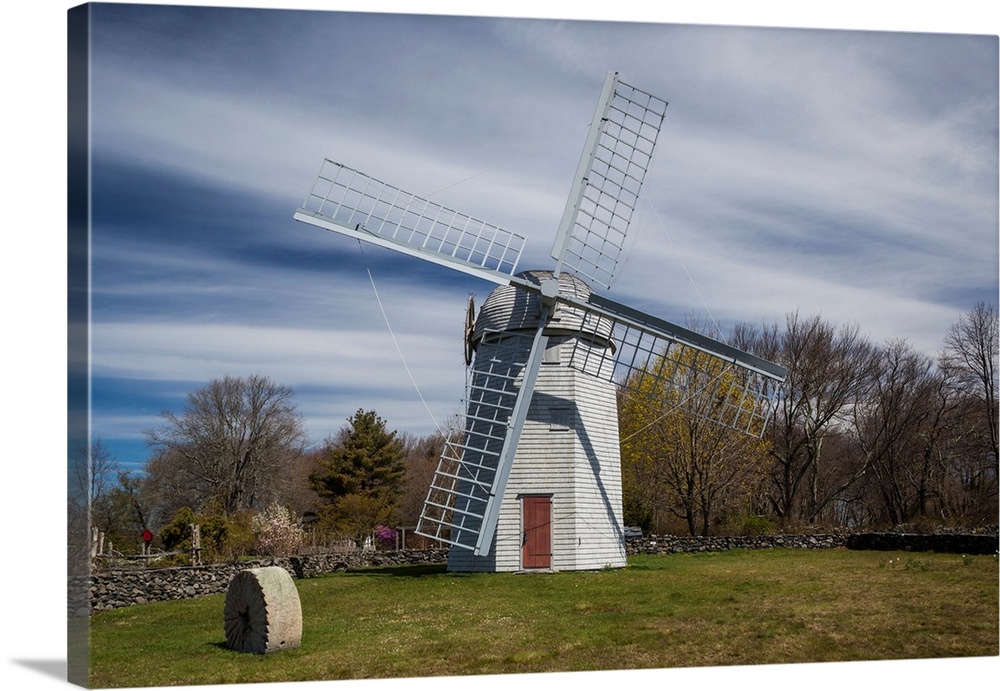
pixel 534 479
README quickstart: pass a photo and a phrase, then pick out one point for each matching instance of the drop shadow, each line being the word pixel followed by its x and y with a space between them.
pixel 57 669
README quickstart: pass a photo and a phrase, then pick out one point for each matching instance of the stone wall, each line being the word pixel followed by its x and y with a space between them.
pixel 671 544
pixel 113 589
pixel 913 542
pixel 948 543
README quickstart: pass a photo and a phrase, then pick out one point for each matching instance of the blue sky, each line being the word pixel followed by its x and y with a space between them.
pixel 843 173
pixel 847 174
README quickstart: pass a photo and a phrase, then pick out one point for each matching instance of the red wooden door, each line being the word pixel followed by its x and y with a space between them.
pixel 536 541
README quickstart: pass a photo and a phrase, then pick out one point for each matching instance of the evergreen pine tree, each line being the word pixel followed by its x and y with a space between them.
pixel 365 459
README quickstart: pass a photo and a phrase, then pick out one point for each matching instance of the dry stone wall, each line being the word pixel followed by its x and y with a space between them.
pixel 115 589
pixel 953 543
pixel 672 544
pixel 913 542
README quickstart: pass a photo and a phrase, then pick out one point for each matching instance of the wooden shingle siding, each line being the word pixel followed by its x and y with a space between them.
pixel 509 308
pixel 575 462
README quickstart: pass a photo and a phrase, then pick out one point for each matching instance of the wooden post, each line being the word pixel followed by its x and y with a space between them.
pixel 195 544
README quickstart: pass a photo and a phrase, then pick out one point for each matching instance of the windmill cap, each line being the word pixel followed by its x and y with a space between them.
pixel 508 308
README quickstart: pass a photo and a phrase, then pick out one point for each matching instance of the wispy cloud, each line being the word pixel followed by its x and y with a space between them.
pixel 840 173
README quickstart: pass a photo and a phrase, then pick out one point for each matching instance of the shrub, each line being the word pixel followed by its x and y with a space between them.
pixel 222 537
pixel 176 535
pixel 386 537
pixel 757 525
pixel 355 516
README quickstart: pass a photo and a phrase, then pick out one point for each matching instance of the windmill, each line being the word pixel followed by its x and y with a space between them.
pixel 533 481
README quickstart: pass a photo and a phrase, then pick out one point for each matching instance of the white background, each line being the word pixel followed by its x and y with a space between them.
pixel 33 274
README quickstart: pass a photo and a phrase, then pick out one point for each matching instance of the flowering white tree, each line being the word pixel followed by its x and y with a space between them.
pixel 276 532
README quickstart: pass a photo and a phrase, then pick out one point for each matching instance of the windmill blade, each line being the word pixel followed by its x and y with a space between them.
pixel 608 182
pixel 357 205
pixel 463 502
pixel 672 365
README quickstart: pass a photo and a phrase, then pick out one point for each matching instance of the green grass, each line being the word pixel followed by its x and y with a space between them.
pixel 738 607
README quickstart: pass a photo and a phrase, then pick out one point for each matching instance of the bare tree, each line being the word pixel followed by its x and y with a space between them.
pixel 828 370
pixel 298 495
pixel 892 426
pixel 970 358
pixel 676 459
pixel 697 468
pixel 167 485
pixel 94 471
pixel 966 481
pixel 233 444
pixel 422 454
pixel 92 476
pixel 967 448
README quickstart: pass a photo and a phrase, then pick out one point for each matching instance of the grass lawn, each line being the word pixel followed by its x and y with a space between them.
pixel 684 610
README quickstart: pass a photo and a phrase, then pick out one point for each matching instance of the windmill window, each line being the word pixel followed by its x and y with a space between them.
pixel 560 419
pixel 553 354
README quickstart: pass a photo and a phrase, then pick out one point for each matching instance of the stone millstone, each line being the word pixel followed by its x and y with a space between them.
pixel 263 613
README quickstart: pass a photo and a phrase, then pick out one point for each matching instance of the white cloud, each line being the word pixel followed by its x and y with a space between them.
pixel 794 173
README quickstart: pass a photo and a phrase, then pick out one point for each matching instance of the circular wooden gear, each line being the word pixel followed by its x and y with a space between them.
pixel 262 612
